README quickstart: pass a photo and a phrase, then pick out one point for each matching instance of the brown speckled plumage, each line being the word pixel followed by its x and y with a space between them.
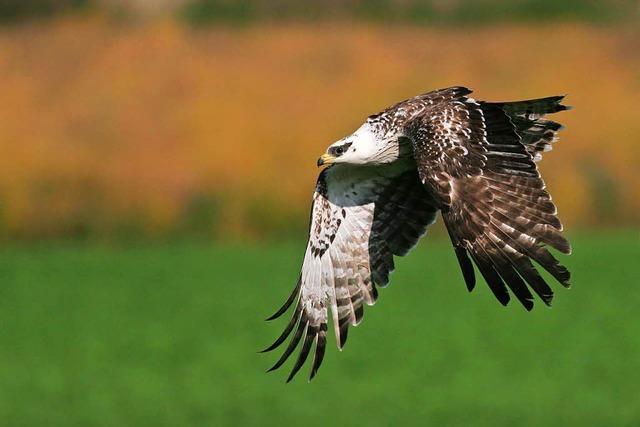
pixel 471 160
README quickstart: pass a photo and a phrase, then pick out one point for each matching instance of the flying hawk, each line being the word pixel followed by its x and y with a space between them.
pixel 440 151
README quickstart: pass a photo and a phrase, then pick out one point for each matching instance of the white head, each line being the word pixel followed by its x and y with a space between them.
pixel 365 146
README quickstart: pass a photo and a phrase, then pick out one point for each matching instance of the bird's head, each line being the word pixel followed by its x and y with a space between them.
pixel 364 146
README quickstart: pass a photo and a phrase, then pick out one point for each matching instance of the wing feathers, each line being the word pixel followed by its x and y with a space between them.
pixel 476 163
pixel 478 159
pixel 524 266
pixel 466 267
pixel 286 332
pixel 302 326
pixel 506 270
pixel 310 336
pixel 537 134
pixel 319 353
pixel 350 251
pixel 489 273
pixel 288 302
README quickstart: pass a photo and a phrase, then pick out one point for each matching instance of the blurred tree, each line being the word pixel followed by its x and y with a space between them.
pixel 140 8
pixel 420 11
pixel 16 10
pixel 205 11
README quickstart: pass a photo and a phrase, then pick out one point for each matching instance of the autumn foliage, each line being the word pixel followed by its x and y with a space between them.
pixel 161 129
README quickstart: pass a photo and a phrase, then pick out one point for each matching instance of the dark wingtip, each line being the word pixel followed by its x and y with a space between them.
pixel 287 331
pixel 503 300
pixel 320 349
pixel 287 303
pixel 463 90
pixel 277 364
pixel 268 349
pixel 466 267
pixel 344 332
pixel 566 276
pixel 278 313
pixel 290 377
pixel 302 326
pixel 273 346
pixel 562 107
pixel 310 335
pixel 561 244
pixel 312 374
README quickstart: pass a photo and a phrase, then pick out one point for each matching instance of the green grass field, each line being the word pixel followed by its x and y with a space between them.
pixel 168 335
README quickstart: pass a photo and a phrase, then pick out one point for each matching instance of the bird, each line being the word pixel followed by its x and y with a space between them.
pixel 380 188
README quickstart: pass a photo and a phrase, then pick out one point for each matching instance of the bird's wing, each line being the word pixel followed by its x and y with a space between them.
pixel 359 221
pixel 477 159
pixel 528 118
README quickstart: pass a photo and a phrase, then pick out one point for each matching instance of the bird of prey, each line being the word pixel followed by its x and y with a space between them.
pixel 442 151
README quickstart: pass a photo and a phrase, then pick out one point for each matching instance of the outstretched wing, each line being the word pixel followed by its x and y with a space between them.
pixel 477 159
pixel 359 221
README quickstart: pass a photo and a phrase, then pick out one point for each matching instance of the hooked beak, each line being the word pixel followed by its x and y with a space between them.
pixel 326 159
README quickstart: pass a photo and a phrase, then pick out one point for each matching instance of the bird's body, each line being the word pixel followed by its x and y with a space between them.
pixel 441 151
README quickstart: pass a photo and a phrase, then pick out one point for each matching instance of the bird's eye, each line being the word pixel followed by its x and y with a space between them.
pixel 339 151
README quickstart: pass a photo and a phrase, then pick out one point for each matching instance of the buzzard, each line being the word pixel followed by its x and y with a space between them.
pixel 442 151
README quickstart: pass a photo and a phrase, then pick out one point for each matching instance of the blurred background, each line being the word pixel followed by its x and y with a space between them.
pixel 157 159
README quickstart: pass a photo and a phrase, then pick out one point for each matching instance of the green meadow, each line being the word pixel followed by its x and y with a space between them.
pixel 168 335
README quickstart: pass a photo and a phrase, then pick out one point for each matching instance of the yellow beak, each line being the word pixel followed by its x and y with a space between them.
pixel 326 159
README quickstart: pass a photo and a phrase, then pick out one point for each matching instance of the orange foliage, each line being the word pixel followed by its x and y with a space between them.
pixel 105 127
